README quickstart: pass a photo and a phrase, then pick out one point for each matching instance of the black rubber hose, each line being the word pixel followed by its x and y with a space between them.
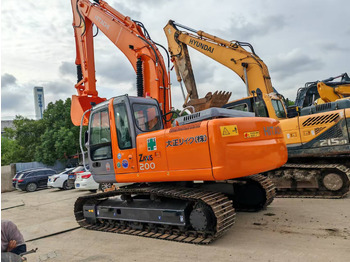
pixel 79 73
pixel 139 77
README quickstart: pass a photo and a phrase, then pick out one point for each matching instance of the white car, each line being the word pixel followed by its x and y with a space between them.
pixel 59 180
pixel 85 181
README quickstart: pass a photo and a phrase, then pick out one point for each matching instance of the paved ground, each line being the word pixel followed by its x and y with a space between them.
pixel 289 230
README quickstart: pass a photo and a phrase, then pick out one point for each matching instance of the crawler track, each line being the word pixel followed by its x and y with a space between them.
pixel 315 173
pixel 266 185
pixel 220 205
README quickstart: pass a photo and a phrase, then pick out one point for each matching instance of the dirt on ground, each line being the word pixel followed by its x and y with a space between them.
pixel 288 230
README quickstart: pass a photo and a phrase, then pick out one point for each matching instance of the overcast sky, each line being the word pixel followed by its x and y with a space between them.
pixel 300 41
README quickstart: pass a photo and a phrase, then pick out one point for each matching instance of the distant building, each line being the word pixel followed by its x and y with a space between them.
pixel 39 102
pixel 6 123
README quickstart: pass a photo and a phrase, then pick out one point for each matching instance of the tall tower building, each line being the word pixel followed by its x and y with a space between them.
pixel 39 102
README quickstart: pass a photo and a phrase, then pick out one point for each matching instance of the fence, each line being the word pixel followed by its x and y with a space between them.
pixel 7 173
pixel 58 166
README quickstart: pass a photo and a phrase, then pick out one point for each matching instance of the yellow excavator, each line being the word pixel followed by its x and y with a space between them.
pixel 317 136
pixel 324 91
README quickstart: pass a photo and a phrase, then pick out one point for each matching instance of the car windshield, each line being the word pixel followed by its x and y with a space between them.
pixel 77 169
pixel 18 175
pixel 22 176
pixel 66 171
pixel 23 172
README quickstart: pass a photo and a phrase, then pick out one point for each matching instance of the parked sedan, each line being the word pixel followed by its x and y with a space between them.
pixel 73 173
pixel 60 180
pixel 85 181
pixel 32 180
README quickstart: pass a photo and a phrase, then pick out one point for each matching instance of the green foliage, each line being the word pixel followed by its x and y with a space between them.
pixel 11 151
pixel 290 102
pixel 60 138
pixel 176 114
pixel 52 138
pixel 19 144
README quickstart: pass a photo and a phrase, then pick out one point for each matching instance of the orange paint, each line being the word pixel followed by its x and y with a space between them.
pixel 202 151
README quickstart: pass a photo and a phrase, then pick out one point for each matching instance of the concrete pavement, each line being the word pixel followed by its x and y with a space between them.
pixel 288 230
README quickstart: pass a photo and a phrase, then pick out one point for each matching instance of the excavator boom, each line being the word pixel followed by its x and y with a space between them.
pixel 232 54
pixel 332 91
pixel 317 137
pixel 221 51
pixel 131 38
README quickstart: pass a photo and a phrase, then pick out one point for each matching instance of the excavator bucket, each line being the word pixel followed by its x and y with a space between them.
pixel 79 105
pixel 218 99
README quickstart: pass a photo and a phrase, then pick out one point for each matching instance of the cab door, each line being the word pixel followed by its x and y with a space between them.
pixel 137 139
pixel 151 151
pixel 100 146
pixel 123 138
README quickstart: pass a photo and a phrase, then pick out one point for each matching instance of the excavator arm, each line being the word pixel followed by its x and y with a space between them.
pixel 131 38
pixel 246 64
pixel 324 91
pixel 332 91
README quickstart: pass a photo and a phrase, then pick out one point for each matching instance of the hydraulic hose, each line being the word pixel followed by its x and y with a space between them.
pixel 79 73
pixel 80 137
pixel 139 77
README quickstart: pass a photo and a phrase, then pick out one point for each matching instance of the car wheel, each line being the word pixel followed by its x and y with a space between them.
pixel 65 186
pixel 31 187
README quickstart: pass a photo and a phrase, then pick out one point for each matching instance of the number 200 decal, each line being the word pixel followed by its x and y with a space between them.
pixel 147 166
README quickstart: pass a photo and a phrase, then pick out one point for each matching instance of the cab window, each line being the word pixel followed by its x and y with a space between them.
pixel 240 107
pixel 147 117
pixel 279 109
pixel 260 109
pixel 122 125
pixel 100 136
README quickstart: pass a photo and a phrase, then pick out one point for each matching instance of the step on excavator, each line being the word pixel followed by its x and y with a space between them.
pixel 317 136
pixel 184 182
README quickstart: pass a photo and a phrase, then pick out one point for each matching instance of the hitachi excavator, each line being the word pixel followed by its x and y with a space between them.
pixel 325 91
pixel 185 181
pixel 317 137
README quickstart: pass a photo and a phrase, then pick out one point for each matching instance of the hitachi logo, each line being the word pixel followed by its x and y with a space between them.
pixel 201 45
pixel 270 130
pixel 103 23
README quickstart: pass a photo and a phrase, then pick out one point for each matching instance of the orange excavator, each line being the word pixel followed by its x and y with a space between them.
pixel 184 182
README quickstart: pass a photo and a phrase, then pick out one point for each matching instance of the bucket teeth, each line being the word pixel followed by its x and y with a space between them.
pixel 218 99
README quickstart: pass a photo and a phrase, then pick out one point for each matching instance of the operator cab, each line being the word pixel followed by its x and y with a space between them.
pixel 119 123
pixel 249 104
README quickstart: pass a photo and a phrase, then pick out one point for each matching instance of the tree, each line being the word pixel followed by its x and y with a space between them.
pixel 19 144
pixel 60 138
pixel 52 138
pixel 11 151
pixel 290 102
